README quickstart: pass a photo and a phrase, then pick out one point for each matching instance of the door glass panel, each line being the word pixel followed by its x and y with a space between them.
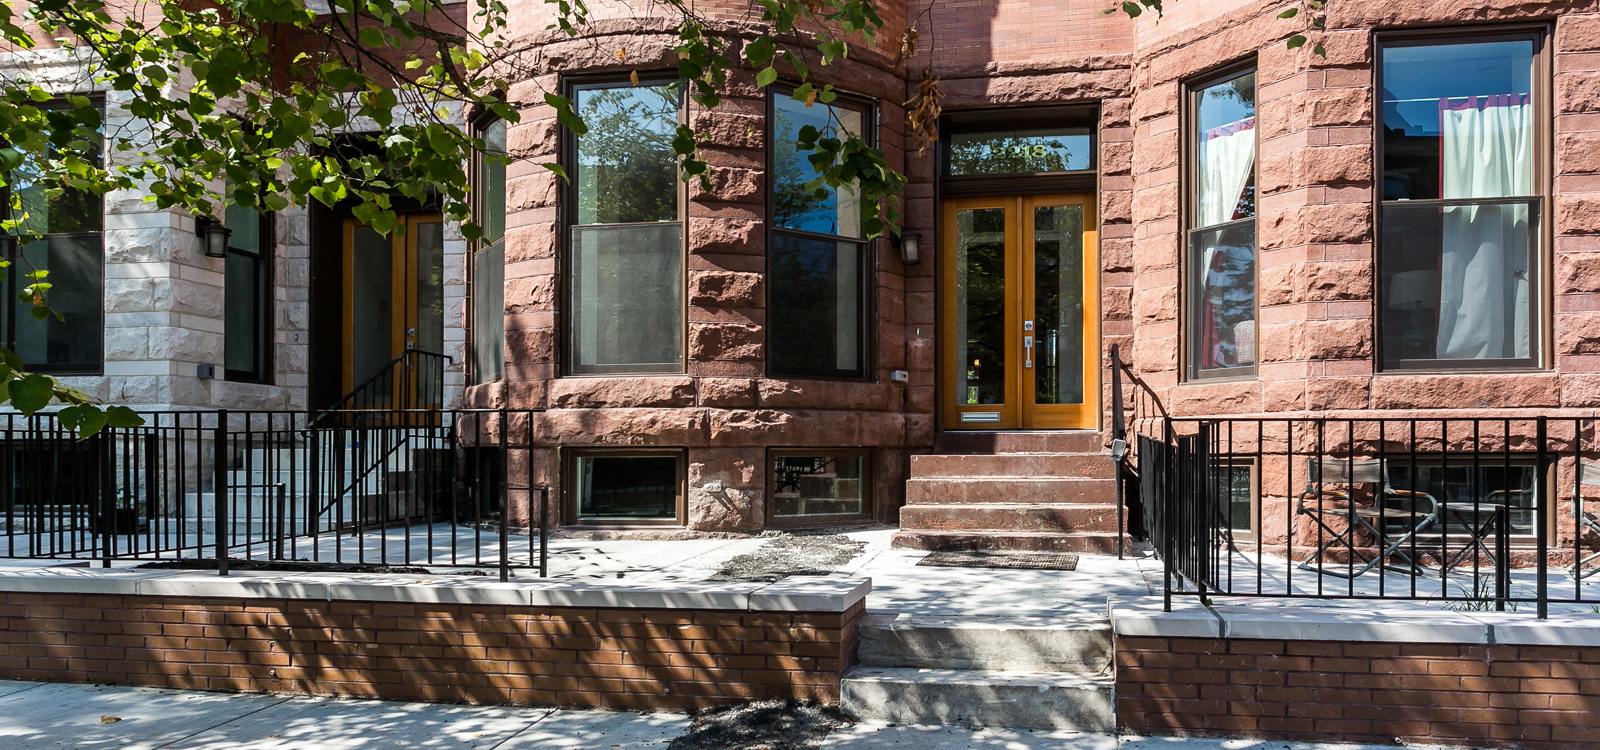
pixel 372 305
pixel 980 306
pixel 430 287
pixel 1058 304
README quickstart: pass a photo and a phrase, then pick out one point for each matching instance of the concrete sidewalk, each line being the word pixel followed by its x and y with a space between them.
pixel 44 716
pixel 41 716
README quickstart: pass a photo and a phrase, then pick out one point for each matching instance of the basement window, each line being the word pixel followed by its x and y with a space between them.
pixel 625 487
pixel 808 487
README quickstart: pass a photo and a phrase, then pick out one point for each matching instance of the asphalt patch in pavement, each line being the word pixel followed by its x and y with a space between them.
pixel 763 725
pixel 786 556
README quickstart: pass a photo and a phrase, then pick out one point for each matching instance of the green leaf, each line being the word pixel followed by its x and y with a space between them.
pixel 760 51
pixel 556 168
pixel 32 393
pixel 1290 13
pixel 766 76
pixel 90 420
pixel 1296 41
pixel 1131 8
pixel 122 417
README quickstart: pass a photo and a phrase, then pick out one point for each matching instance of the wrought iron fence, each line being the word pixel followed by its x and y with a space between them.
pixel 1487 512
pixel 436 487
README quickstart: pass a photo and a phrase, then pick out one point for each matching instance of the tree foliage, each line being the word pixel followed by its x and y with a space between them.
pixel 368 106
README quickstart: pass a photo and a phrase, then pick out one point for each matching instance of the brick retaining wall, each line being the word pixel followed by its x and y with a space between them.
pixel 1495 695
pixel 623 658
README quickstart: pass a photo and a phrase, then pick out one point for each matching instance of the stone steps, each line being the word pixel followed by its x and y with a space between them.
pixel 980 490
pixel 1020 541
pixel 1085 465
pixel 1043 441
pixel 1034 644
pixel 1033 673
pixel 1020 517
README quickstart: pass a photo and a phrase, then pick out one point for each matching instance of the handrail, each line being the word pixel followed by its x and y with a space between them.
pixel 382 372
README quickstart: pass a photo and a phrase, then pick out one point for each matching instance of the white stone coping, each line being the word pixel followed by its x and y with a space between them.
pixel 793 594
pixel 1143 617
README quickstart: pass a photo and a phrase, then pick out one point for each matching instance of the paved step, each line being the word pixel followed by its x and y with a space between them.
pixel 978 490
pixel 1022 541
pixel 1050 441
pixel 1074 517
pixel 1021 699
pixel 1037 644
pixel 1044 465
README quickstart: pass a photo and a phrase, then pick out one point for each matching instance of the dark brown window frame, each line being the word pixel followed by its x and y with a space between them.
pixel 869 251
pixel 478 124
pixel 569 472
pixel 1038 183
pixel 868 494
pixel 1189 200
pixel 267 228
pixel 97 99
pixel 567 157
pixel 1541 327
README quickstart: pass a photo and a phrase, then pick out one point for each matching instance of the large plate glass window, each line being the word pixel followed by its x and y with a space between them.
pixel 819 269
pixel 1459 224
pixel 70 249
pixel 1221 265
pixel 625 253
pixel 489 262
pixel 247 300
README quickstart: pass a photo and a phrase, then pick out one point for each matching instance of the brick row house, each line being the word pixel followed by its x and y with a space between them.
pixel 1402 223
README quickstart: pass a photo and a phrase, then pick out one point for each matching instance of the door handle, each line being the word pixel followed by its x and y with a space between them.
pixel 1027 350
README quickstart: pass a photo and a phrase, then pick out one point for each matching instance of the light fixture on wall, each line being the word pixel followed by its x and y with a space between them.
pixel 213 236
pixel 910 249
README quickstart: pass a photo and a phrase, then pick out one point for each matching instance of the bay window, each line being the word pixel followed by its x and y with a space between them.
pixel 1221 255
pixel 818 269
pixel 1458 237
pixel 489 261
pixel 70 248
pixel 625 246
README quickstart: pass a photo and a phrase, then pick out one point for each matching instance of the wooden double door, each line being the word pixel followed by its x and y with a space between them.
pixel 1019 313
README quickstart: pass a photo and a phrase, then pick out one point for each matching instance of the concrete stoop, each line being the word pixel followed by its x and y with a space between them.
pixel 1034 491
pixel 1033 673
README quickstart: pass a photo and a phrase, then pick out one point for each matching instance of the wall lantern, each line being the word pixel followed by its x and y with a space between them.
pixel 213 235
pixel 910 249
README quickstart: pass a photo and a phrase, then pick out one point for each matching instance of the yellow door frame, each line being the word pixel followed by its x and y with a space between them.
pixel 1019 410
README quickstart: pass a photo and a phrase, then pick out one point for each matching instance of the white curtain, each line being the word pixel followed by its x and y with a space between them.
pixel 1226 155
pixel 1486 147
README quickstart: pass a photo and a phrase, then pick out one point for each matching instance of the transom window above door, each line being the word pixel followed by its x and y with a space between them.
pixel 1458 240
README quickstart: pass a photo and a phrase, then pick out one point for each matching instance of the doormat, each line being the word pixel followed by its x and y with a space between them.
pixel 1020 560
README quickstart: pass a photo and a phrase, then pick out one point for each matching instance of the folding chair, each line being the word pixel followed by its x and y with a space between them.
pixel 1395 505
pixel 1588 476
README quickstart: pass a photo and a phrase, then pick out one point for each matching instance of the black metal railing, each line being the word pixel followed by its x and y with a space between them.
pixel 410 388
pixel 368 487
pixel 1472 512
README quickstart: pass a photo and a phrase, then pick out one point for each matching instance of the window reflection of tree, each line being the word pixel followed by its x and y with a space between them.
pixel 1001 156
pixel 626 165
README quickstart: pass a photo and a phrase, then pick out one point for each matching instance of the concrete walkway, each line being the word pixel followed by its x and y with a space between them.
pixel 40 716
pixel 43 716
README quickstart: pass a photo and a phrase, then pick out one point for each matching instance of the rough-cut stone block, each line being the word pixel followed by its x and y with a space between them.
pixel 726 289
pixel 709 341
pixel 589 393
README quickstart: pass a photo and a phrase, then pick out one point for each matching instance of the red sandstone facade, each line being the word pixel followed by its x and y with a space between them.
pixel 1316 258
